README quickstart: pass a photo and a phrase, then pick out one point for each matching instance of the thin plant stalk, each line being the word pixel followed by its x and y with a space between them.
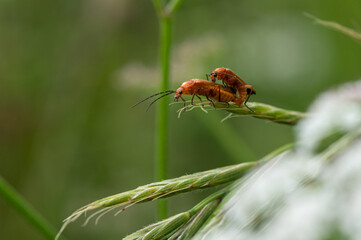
pixel 336 26
pixel 162 113
pixel 26 210
pixel 172 6
pixel 165 25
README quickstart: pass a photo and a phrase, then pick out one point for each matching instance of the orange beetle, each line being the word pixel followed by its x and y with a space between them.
pixel 231 79
pixel 198 87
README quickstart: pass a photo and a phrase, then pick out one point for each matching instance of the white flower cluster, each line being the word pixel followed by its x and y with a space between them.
pixel 300 195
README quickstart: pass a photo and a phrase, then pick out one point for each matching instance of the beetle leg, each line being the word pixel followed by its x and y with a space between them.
pixel 183 100
pixel 226 103
pixel 210 101
pixel 200 99
pixel 192 99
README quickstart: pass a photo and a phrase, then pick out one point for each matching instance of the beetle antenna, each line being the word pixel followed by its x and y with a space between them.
pixel 168 91
pixel 245 102
pixel 158 99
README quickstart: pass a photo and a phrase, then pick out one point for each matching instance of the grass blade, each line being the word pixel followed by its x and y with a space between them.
pixel 336 26
pixel 26 210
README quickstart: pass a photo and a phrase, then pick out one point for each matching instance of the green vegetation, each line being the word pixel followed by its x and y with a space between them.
pixel 71 70
pixel 17 202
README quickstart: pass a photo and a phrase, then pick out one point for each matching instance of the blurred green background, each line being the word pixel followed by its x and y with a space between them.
pixel 70 70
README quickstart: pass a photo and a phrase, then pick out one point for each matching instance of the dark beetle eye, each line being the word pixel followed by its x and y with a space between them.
pixel 214 74
pixel 180 92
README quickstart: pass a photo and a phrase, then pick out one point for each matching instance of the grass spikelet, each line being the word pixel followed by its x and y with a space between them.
pixel 161 229
pixel 197 221
pixel 262 111
pixel 182 224
pixel 162 189
pixel 172 225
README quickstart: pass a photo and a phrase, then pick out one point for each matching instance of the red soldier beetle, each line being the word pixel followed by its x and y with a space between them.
pixel 198 87
pixel 234 81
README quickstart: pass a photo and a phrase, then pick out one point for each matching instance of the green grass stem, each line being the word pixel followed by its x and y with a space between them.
pixel 13 198
pixel 158 8
pixel 172 6
pixel 162 113
pixel 337 27
pixel 165 26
